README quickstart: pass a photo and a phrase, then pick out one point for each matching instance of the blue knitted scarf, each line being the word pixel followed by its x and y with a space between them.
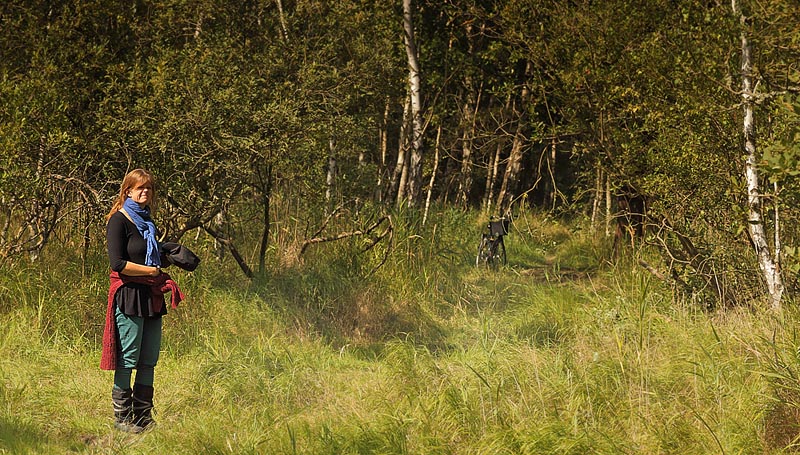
pixel 141 218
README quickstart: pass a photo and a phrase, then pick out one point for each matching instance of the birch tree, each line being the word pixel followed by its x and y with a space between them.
pixel 767 262
pixel 399 177
pixel 415 92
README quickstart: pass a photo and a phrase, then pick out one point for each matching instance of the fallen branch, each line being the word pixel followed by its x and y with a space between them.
pixel 388 232
pixel 327 220
pixel 653 270
pixel 343 235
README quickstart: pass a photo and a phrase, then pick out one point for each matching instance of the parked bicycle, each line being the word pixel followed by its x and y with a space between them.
pixel 492 249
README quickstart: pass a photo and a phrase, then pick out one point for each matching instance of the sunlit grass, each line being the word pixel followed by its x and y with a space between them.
pixel 562 351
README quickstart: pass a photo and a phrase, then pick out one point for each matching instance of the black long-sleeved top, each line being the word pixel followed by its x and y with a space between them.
pixel 125 243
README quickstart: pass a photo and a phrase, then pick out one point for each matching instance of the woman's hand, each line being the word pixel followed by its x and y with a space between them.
pixel 133 269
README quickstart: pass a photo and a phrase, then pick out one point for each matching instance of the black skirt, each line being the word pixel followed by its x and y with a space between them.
pixel 135 299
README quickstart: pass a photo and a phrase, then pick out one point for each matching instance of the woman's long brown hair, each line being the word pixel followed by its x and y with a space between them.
pixel 133 179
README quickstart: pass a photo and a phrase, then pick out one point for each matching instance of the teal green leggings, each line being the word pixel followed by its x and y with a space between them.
pixel 139 346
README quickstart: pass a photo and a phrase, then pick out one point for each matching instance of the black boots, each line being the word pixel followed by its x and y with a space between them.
pixel 123 410
pixel 133 409
pixel 143 405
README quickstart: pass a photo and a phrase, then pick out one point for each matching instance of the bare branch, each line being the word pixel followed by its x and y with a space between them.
pixel 234 252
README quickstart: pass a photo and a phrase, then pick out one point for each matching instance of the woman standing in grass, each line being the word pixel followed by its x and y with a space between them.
pixel 132 336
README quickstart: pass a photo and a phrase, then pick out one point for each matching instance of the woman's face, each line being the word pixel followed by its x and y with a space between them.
pixel 142 193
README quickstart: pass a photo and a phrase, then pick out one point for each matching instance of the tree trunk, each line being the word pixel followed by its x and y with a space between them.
pixel 493 170
pixel 396 189
pixel 470 114
pixel 433 174
pixel 465 176
pixel 219 225
pixel 609 217
pixel 468 124
pixel 330 178
pixel 551 169
pixel 198 27
pixel 506 196
pixel 507 189
pixel 284 29
pixel 266 198
pixel 491 177
pixel 777 220
pixel 383 138
pixel 402 186
pixel 766 261
pixel 414 87
pixel 598 191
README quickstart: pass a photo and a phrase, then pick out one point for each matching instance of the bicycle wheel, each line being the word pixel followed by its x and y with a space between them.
pixel 496 248
pixel 484 255
pixel 499 255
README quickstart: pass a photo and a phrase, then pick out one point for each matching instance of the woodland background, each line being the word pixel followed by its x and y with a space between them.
pixel 566 107
pixel 334 163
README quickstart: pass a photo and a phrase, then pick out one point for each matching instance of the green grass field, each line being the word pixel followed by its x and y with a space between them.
pixel 562 351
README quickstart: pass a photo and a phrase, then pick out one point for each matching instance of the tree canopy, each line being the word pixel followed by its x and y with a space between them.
pixel 553 105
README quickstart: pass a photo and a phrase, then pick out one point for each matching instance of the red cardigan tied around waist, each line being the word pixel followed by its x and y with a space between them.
pixel 159 285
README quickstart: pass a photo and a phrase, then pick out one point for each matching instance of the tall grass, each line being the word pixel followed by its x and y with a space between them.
pixel 562 351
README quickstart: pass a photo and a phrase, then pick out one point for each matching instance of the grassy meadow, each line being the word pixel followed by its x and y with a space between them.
pixel 562 351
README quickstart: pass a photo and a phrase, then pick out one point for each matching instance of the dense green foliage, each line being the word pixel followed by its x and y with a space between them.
pixel 546 104
pixel 560 352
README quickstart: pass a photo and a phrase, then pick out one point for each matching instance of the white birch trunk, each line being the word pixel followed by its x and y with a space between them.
pixel 465 180
pixel 284 29
pixel 491 178
pixel 414 87
pixel 598 190
pixel 469 115
pixel 433 175
pixel 766 261
pixel 609 217
pixel 551 166
pixel 198 28
pixel 219 224
pixel 330 179
pixel 397 181
pixel 777 214
pixel 383 136
pixel 402 187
